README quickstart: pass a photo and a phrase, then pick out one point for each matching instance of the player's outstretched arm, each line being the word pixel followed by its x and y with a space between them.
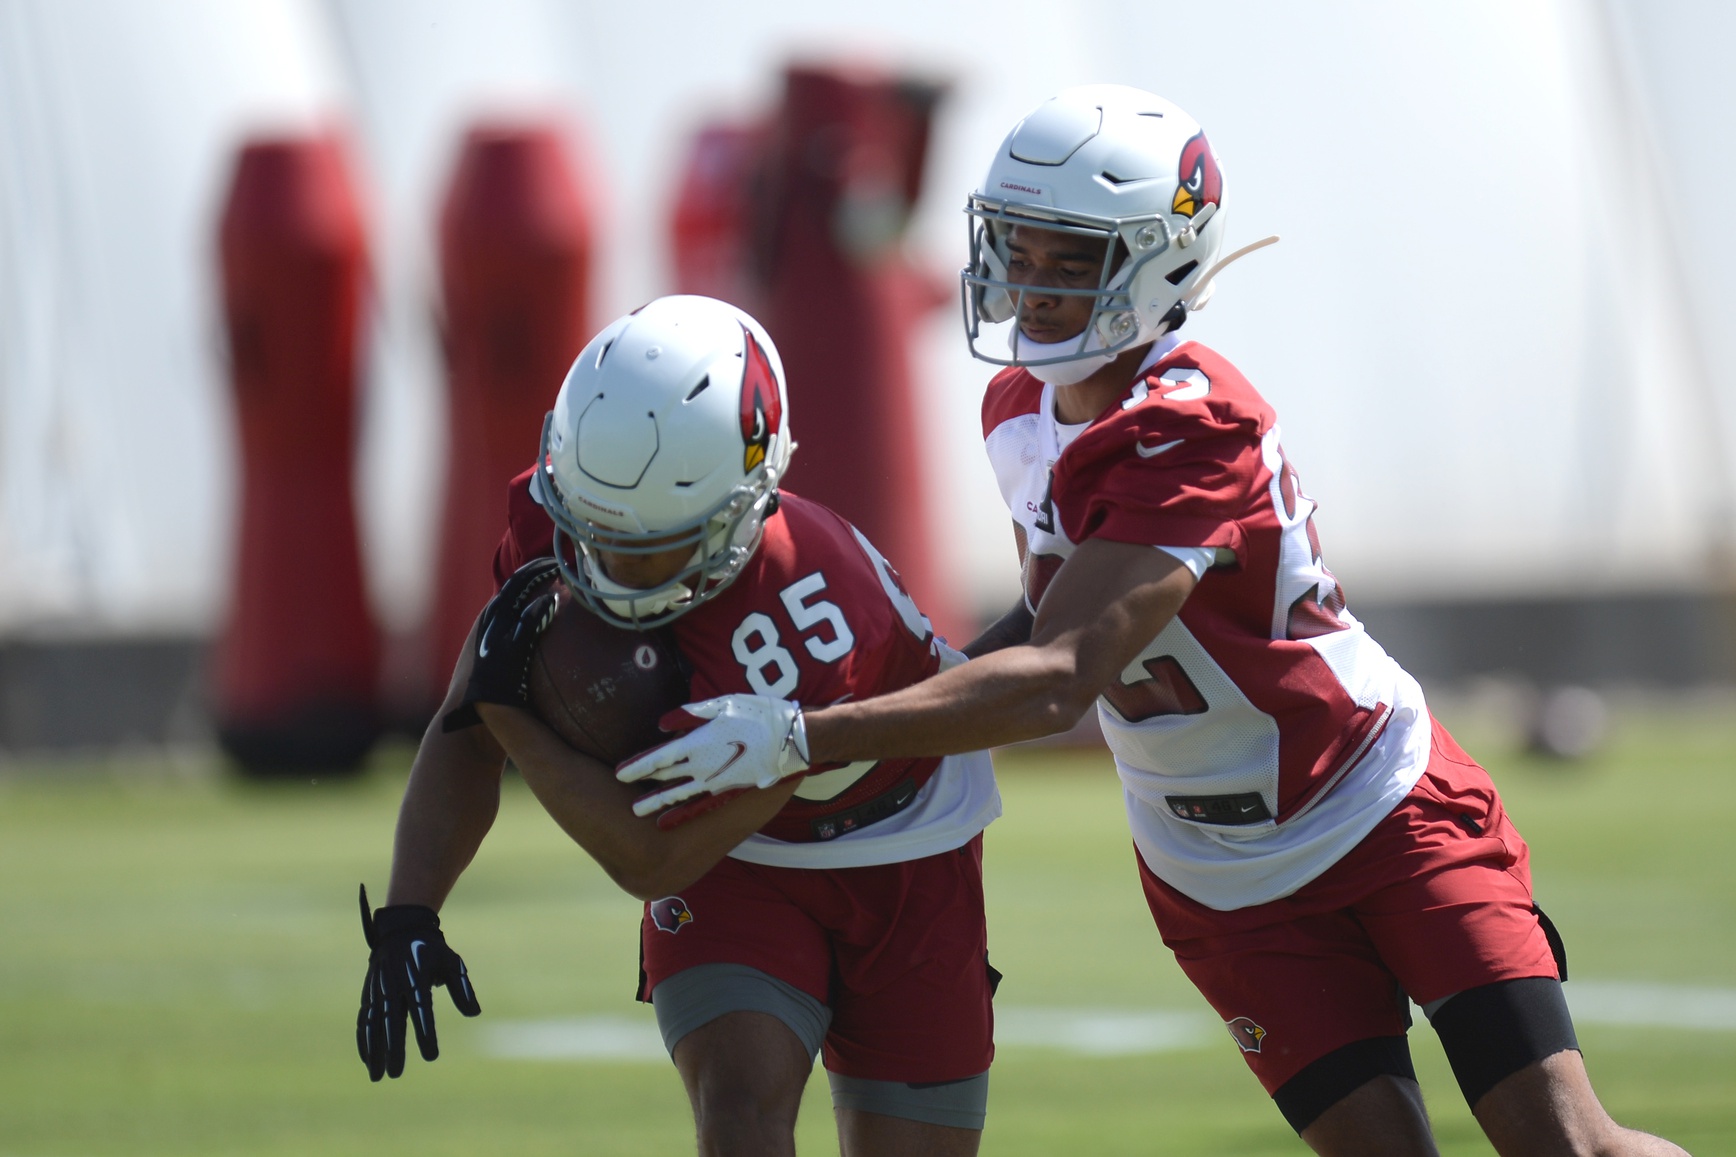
pixel 454 790
pixel 583 797
pixel 1105 604
pixel 449 803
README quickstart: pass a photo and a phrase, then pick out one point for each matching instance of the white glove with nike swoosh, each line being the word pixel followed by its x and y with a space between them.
pixel 735 742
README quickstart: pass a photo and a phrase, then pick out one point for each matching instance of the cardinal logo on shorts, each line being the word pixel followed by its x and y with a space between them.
pixel 670 914
pixel 762 412
pixel 1246 1034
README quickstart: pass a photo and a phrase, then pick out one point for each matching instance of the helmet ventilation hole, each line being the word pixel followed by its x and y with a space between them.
pixel 698 389
pixel 1179 274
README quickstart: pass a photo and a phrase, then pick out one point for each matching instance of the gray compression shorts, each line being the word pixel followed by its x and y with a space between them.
pixel 960 1104
pixel 696 996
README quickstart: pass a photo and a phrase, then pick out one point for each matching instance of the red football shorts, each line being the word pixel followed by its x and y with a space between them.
pixel 1434 901
pixel 899 952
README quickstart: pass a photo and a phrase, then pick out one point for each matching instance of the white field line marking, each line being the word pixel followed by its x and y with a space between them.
pixel 1103 1032
pixel 579 1038
pixel 1107 1032
pixel 1618 1002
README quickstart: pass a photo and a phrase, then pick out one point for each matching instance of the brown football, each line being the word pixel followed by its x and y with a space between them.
pixel 601 687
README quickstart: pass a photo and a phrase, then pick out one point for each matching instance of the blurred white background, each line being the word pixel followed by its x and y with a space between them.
pixel 1494 330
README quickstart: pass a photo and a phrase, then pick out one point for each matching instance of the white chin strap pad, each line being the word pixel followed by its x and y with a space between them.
pixel 1065 373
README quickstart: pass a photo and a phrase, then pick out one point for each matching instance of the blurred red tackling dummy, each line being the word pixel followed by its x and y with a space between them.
pixel 516 244
pixel 800 219
pixel 297 662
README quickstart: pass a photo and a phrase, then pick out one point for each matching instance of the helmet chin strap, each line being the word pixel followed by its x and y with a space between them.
pixel 1068 373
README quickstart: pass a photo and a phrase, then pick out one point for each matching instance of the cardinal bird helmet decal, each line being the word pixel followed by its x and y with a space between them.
pixel 1201 183
pixel 761 409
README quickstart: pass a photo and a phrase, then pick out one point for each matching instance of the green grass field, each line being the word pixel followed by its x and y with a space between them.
pixel 180 961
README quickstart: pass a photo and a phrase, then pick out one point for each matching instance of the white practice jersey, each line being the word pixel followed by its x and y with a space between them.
pixel 1263 733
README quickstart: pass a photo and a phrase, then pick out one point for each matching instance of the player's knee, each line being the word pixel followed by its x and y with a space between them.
pixel 734 1097
pixel 744 1108
pixel 739 1039
pixel 732 1117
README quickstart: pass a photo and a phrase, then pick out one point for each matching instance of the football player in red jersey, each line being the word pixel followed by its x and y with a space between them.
pixel 838 911
pixel 1314 847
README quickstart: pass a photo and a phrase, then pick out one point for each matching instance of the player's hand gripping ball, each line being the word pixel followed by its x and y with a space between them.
pixel 409 959
pixel 735 742
pixel 506 641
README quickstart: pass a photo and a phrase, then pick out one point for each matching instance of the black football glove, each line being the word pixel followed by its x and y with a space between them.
pixel 506 639
pixel 408 960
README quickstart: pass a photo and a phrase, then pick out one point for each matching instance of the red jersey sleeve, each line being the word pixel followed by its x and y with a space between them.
pixel 529 533
pixel 1010 393
pixel 1175 465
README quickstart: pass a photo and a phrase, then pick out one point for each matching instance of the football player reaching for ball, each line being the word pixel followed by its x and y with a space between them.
pixel 821 907
pixel 1313 845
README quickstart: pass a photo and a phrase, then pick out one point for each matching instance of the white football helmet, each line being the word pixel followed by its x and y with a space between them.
pixel 1111 163
pixel 670 430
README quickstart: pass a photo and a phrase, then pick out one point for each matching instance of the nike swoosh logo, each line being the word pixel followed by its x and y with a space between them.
pixel 1145 451
pixel 740 750
pixel 482 646
pixel 416 953
pixel 1248 807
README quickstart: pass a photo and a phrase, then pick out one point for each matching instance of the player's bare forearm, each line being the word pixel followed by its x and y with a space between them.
pixel 1014 694
pixel 1106 603
pixel 449 805
pixel 1009 630
pixel 582 795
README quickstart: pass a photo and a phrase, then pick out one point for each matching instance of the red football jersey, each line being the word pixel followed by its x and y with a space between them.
pixel 816 616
